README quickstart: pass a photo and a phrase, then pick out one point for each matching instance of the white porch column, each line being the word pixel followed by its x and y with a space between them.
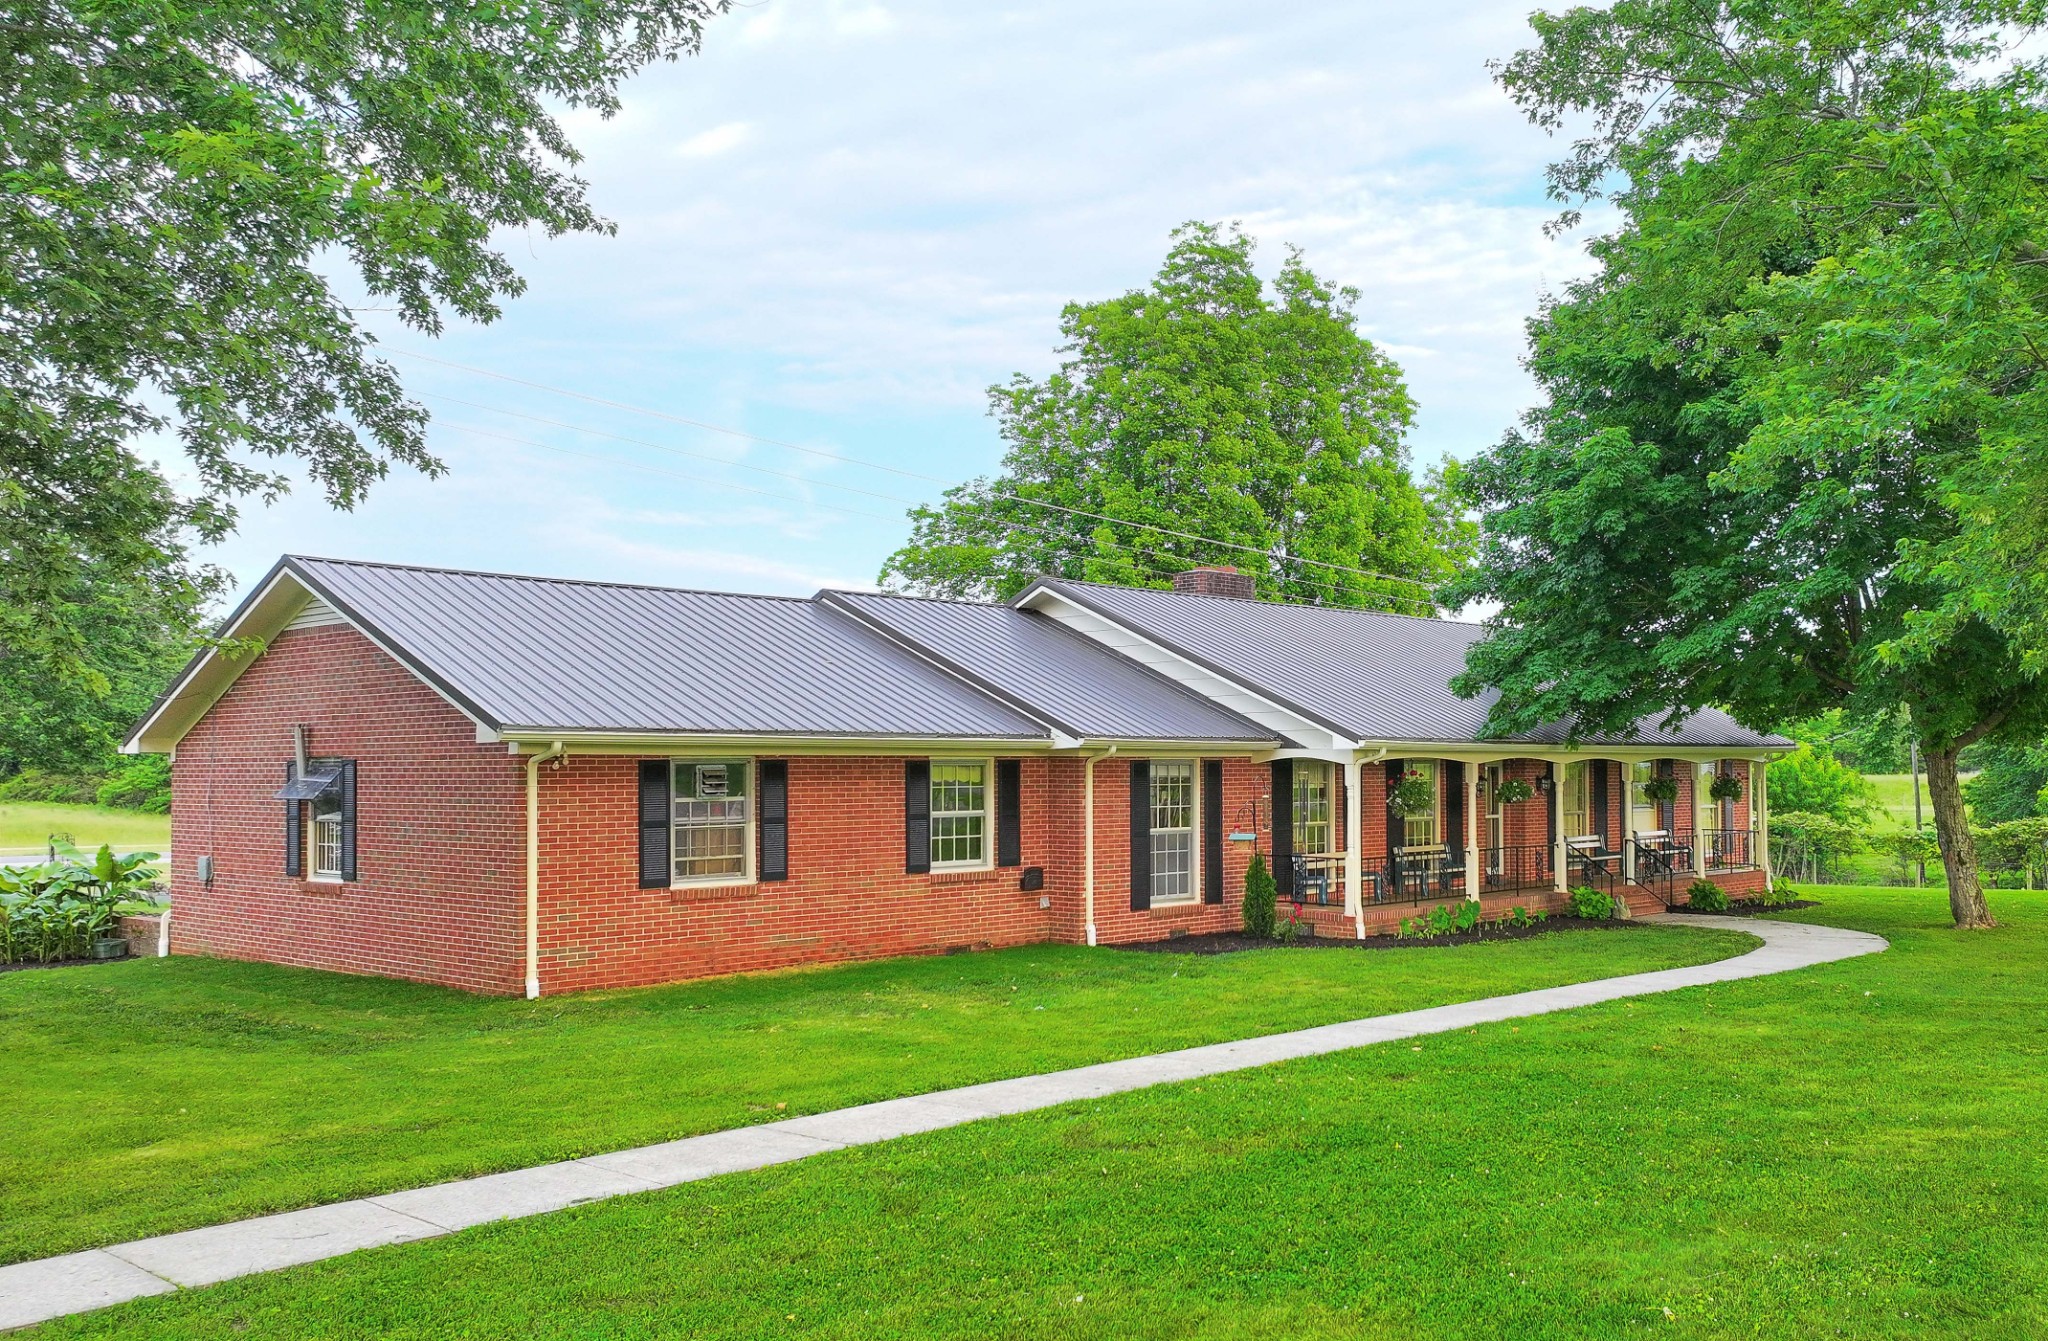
pixel 1560 875
pixel 1628 821
pixel 1761 804
pixel 1354 849
pixel 1472 831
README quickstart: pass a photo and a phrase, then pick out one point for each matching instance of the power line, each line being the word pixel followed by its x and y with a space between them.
pixel 907 474
pixel 1137 554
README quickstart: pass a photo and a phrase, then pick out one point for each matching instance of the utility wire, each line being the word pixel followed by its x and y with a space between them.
pixel 910 474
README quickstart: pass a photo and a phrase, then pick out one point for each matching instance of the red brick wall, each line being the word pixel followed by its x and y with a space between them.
pixel 439 824
pixel 1244 782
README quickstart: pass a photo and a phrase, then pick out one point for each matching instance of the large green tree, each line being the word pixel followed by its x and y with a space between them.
pixel 1202 421
pixel 1790 423
pixel 178 182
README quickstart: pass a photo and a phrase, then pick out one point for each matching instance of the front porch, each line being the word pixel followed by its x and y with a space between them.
pixel 1508 831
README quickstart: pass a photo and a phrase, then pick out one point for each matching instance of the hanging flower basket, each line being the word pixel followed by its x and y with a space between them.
pixel 1512 791
pixel 1725 787
pixel 1414 794
pixel 1661 790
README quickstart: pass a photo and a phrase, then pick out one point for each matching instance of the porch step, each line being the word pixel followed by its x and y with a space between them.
pixel 1641 902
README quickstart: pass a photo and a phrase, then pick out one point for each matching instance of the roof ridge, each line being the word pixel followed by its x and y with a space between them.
pixel 532 577
pixel 909 596
pixel 1240 600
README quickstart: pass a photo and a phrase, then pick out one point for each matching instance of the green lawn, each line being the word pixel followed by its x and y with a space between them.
pixel 1847 1151
pixel 26 827
pixel 162 1094
pixel 1895 799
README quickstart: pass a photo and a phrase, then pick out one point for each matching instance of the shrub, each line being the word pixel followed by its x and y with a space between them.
pixel 1706 896
pixel 1260 891
pixel 143 783
pixel 1286 926
pixel 1587 901
pixel 38 787
pixel 1812 781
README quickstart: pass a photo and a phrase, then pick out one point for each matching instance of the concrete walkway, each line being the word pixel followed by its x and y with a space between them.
pixel 33 1292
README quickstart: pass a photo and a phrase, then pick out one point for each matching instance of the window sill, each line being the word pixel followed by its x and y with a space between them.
pixel 953 875
pixel 744 889
pixel 326 880
pixel 1173 905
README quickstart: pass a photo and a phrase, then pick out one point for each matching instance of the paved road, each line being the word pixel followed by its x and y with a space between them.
pixel 37 1291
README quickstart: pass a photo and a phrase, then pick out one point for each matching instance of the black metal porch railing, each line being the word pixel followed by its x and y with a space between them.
pixel 1416 875
pixel 1659 863
pixel 1319 879
pixel 1592 866
pixel 1727 849
pixel 1526 866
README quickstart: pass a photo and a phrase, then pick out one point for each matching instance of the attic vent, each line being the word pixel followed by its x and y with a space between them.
pixel 315 614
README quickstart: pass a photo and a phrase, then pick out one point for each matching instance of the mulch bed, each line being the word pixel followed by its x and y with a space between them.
pixel 1747 910
pixel 1231 942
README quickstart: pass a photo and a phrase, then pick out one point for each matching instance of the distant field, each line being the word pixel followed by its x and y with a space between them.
pixel 1895 795
pixel 27 828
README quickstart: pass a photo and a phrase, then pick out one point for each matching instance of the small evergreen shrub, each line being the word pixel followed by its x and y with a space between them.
pixel 1260 895
pixel 1706 896
pixel 1589 902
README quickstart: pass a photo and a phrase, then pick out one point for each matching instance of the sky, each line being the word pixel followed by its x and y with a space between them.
pixel 842 221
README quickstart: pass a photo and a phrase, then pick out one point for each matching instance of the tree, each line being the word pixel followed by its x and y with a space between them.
pixel 1200 422
pixel 1812 781
pixel 1784 420
pixel 177 182
pixel 1261 898
pixel 2011 782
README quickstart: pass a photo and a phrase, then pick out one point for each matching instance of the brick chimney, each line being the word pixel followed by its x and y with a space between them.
pixel 1216 580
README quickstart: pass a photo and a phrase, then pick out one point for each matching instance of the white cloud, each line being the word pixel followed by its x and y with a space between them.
pixel 718 140
pixel 842 222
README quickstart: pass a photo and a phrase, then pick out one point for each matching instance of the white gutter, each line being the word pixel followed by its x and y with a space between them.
pixel 1088 839
pixel 554 751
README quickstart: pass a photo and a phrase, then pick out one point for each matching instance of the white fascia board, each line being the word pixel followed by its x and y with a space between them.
pixel 264 615
pixel 1245 702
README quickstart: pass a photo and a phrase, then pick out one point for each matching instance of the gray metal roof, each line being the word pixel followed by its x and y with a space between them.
pixel 1369 676
pixel 526 653
pixel 1061 676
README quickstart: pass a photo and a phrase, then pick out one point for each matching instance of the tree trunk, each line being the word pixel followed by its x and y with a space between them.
pixel 1958 849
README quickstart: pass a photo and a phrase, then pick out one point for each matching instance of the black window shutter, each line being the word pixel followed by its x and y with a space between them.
pixel 1283 825
pixel 1212 831
pixel 1453 836
pixel 1598 785
pixel 1667 811
pixel 772 830
pixel 294 834
pixel 1141 834
pixel 347 783
pixel 1556 800
pixel 1009 812
pixel 1397 831
pixel 655 869
pixel 917 816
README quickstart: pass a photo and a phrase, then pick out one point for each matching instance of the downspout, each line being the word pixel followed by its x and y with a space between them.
pixel 1088 839
pixel 1354 847
pixel 533 763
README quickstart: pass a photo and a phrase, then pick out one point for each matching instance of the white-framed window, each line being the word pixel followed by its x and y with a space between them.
pixel 325 837
pixel 1706 810
pixel 1647 812
pixel 1173 830
pixel 711 836
pixel 1312 830
pixel 1575 804
pixel 960 801
pixel 1418 828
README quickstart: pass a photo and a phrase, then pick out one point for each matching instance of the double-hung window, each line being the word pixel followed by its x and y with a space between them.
pixel 1418 827
pixel 712 820
pixel 959 813
pixel 1173 830
pixel 1312 807
pixel 1644 811
pixel 326 841
pixel 1574 804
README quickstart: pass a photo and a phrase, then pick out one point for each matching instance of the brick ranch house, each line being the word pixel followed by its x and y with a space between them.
pixel 510 784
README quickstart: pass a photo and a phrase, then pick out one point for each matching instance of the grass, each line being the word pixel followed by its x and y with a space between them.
pixel 1895 801
pixel 163 1094
pixel 1844 1151
pixel 25 827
